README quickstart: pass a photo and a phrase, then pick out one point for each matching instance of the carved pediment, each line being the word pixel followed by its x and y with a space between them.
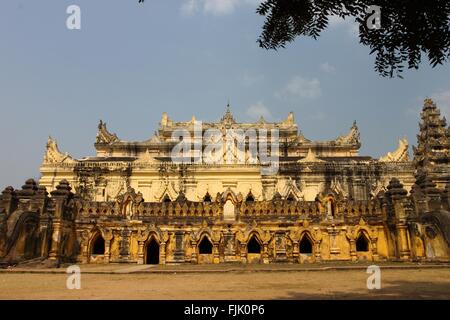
pixel 399 155
pixel 146 158
pixel 351 138
pixel 310 158
pixel 291 190
pixel 104 136
pixel 53 155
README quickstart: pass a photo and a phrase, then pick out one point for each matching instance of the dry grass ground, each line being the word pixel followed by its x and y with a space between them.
pixel 240 284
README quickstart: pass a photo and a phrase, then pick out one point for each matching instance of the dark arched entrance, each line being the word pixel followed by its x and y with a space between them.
pixel 306 245
pixel 205 246
pixel 253 246
pixel 362 244
pixel 152 252
pixel 98 246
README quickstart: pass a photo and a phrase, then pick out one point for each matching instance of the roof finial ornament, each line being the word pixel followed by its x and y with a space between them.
pixel 228 116
pixel 104 136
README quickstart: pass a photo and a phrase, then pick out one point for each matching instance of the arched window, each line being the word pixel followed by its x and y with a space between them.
pixel 253 246
pixel 167 198
pixel 306 245
pixel 362 244
pixel 290 197
pixel 250 198
pixel 207 198
pixel 98 246
pixel 205 246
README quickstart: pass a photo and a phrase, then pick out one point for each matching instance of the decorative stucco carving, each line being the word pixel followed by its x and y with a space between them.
pixel 351 138
pixel 53 155
pixel 104 136
pixel 401 154
pixel 146 158
pixel 291 189
pixel 289 120
pixel 310 158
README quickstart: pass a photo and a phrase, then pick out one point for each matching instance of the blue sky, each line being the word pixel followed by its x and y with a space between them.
pixel 131 62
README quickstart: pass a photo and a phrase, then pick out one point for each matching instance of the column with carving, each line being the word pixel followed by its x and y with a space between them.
pixel 60 197
pixel 107 236
pixel 397 198
pixel 351 239
pixel 162 248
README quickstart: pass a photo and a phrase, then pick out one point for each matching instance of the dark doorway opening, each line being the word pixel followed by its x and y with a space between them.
pixel 205 246
pixel 362 245
pixel 305 245
pixel 152 254
pixel 98 247
pixel 253 246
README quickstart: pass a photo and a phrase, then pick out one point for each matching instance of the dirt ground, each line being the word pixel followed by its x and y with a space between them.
pixel 235 285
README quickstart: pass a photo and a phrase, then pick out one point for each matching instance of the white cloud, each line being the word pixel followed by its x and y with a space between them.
pixel 190 7
pixel 258 110
pixel 300 87
pixel 214 7
pixel 328 68
pixel 442 99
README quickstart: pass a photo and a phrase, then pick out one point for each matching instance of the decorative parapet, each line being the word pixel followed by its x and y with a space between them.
pixel 399 155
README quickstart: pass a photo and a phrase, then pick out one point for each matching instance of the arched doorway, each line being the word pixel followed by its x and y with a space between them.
pixel 306 245
pixel 362 244
pixel 253 246
pixel 98 245
pixel 152 252
pixel 205 246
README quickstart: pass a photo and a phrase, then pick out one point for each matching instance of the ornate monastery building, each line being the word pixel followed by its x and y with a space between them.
pixel 131 203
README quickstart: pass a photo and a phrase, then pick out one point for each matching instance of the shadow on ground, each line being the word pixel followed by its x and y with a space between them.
pixel 394 290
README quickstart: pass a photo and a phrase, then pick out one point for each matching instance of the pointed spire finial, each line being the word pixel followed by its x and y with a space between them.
pixel 228 117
